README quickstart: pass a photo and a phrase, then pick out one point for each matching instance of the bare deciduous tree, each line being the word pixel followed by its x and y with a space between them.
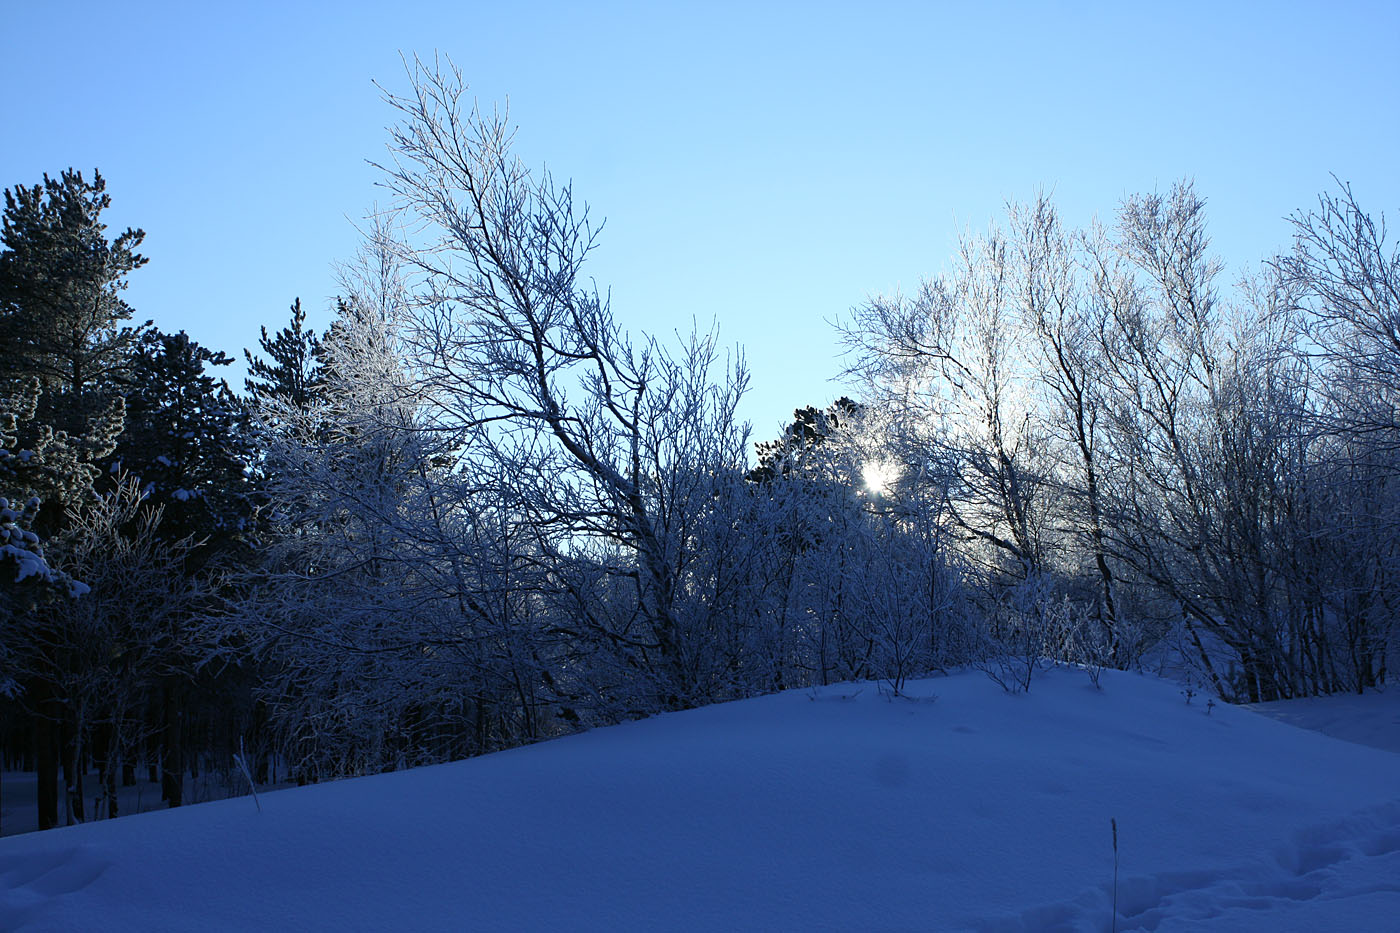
pixel 518 355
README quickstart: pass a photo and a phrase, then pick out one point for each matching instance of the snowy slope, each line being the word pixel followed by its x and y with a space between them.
pixel 831 810
pixel 1370 719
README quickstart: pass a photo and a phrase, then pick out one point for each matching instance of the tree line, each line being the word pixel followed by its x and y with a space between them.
pixel 476 513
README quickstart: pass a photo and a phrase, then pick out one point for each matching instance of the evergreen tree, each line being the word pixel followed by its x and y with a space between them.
pixel 187 449
pixel 26 577
pixel 53 464
pixel 185 438
pixel 61 322
pixel 61 279
pixel 66 352
pixel 291 371
pixel 810 428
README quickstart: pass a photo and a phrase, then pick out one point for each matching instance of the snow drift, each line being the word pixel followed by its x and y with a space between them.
pixel 961 807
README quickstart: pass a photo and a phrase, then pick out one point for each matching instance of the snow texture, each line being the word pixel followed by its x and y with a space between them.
pixel 963 808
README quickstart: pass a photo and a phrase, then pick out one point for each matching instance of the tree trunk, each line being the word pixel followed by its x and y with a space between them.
pixel 259 729
pixel 72 752
pixel 104 761
pixel 172 762
pixel 109 775
pixel 46 754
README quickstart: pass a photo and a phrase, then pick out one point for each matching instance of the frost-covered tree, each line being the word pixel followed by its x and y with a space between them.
pixel 27 576
pixel 518 355
pixel 1134 448
pixel 809 429
pixel 385 565
pixel 857 577
pixel 1343 285
pixel 1345 273
pixel 951 360
pixel 142 620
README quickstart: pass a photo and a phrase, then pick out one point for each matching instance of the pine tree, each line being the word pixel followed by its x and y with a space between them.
pixel 61 279
pixel 187 449
pixel 26 577
pixel 291 372
pixel 66 351
pixel 51 464
pixel 61 322
pixel 186 439
pixel 810 428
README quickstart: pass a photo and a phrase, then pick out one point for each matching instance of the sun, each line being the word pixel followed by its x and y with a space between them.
pixel 879 476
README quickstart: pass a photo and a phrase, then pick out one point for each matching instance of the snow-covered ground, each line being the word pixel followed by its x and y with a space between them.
pixel 838 809
pixel 1370 718
pixel 19 812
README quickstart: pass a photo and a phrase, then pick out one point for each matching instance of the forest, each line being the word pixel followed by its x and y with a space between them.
pixel 476 513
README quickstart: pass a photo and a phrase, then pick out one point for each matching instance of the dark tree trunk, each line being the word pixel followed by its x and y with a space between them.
pixel 260 751
pixel 105 755
pixel 73 768
pixel 101 752
pixel 46 754
pixel 173 761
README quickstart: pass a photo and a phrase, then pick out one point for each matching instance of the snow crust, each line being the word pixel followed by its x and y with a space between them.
pixel 834 809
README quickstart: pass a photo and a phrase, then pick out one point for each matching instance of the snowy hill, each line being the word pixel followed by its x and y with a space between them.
pixel 838 809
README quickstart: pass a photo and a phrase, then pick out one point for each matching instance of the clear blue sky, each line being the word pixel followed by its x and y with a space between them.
pixel 764 166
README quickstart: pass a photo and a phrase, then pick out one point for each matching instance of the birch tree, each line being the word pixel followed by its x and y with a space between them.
pixel 518 357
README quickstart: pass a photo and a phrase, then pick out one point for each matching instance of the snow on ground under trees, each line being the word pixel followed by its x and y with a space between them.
pixel 961 807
